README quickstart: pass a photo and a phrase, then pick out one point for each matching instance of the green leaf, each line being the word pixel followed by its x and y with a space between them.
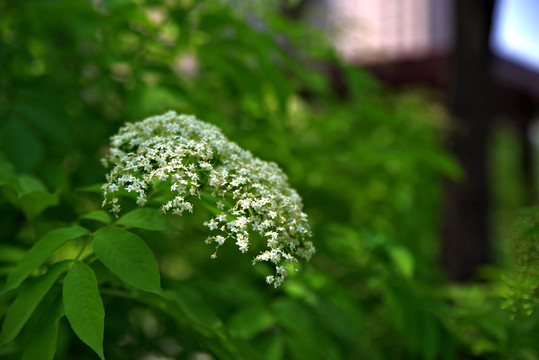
pixel 28 184
pixel 128 257
pixel 41 344
pixel 35 203
pixel 11 253
pixel 26 302
pixel 99 215
pixel 84 307
pixel 33 196
pixel 40 252
pixel 403 260
pixel 147 219
pixel 251 321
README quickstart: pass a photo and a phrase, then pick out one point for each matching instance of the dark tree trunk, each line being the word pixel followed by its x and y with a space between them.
pixel 465 243
pixel 523 114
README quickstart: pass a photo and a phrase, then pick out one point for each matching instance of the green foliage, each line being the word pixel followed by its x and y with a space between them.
pixel 27 300
pixel 98 215
pixel 40 252
pixel 83 306
pixel 41 344
pixel 366 160
pixel 522 279
pixel 128 257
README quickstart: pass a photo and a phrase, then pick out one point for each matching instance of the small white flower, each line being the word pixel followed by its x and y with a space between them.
pixel 220 240
pixel 141 200
pixel 212 224
pixel 243 242
pixel 192 156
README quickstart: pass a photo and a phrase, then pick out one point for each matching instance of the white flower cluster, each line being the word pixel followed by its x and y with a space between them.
pixel 190 157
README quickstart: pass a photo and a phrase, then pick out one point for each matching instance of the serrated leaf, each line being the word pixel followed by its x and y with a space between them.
pixel 84 307
pixel 40 252
pixel 147 219
pixel 128 257
pixel 99 215
pixel 26 302
pixel 41 344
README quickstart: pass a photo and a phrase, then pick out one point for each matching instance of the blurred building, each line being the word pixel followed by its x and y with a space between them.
pixel 402 41
pixel 392 30
pixel 484 56
pixel 405 41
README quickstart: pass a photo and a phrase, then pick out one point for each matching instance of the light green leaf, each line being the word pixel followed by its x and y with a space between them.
pixel 26 302
pixel 98 215
pixel 84 307
pixel 147 219
pixel 40 252
pixel 41 344
pixel 403 260
pixel 128 257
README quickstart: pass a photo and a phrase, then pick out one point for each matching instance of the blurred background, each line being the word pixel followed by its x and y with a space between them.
pixel 408 127
pixel 482 61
